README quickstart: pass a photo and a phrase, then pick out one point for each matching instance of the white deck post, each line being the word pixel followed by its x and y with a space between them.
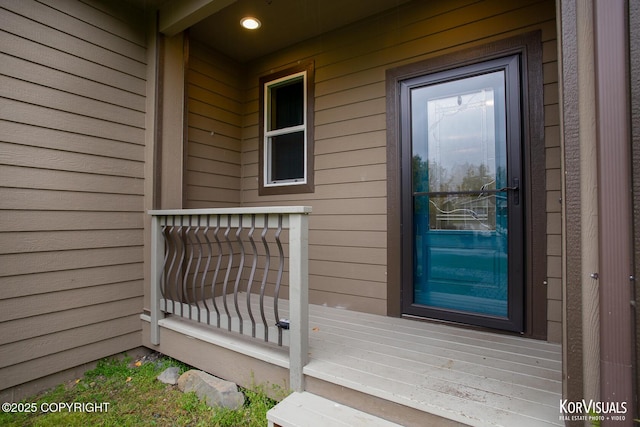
pixel 157 258
pixel 298 299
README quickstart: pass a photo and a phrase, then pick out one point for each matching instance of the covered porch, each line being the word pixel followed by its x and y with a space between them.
pixel 342 346
pixel 235 321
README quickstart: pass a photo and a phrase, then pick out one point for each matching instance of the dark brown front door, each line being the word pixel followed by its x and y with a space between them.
pixel 461 194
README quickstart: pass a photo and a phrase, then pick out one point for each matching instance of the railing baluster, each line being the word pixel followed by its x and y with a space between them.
pixel 265 275
pixel 278 279
pixel 165 258
pixel 203 294
pixel 214 281
pixel 228 273
pixel 254 264
pixel 196 271
pixel 179 270
pixel 188 247
pixel 236 287
pixel 170 284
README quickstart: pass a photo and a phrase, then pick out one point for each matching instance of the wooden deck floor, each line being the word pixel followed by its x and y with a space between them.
pixel 472 377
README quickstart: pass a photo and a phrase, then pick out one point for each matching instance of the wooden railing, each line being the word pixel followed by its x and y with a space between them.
pixel 227 268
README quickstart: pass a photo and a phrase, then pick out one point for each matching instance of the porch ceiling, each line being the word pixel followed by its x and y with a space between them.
pixel 284 23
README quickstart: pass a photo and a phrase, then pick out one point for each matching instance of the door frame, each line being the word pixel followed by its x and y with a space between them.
pixel 510 65
pixel 529 47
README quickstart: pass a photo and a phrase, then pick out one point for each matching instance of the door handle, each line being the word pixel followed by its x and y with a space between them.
pixel 516 189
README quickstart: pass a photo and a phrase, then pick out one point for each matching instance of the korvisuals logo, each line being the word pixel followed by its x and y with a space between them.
pixel 592 410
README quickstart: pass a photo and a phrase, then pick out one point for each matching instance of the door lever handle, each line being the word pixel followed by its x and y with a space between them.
pixel 516 189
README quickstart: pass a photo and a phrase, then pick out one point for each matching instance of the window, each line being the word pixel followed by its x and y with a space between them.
pixel 286 131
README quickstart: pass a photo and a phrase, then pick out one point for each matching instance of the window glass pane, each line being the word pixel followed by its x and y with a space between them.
pixel 287 156
pixel 286 104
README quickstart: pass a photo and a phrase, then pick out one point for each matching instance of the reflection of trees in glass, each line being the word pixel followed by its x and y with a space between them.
pixel 420 175
pixel 477 178
pixel 420 184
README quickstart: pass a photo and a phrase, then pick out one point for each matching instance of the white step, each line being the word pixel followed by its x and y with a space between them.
pixel 310 410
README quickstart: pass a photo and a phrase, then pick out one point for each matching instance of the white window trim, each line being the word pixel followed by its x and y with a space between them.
pixel 268 134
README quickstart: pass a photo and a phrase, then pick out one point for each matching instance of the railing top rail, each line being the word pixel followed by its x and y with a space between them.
pixel 235 211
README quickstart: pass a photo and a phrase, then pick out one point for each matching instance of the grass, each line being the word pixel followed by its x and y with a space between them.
pixel 136 398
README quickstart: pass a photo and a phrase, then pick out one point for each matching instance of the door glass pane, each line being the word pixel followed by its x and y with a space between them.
pixel 458 133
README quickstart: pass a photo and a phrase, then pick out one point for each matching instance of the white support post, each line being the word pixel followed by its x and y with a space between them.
pixel 298 299
pixel 157 259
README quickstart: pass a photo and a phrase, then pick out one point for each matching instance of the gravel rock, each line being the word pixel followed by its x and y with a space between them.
pixel 170 375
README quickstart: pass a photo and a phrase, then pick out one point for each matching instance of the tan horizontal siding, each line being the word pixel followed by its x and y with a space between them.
pixel 23 177
pixel 75 20
pixel 23 220
pixel 22 112
pixel 49 158
pixel 62 101
pixel 351 123
pixel 206 179
pixel 73 278
pixel 25 134
pixel 63 340
pixel 554 183
pixel 202 150
pixel 357 239
pixel 29 263
pixel 117 17
pixel 203 136
pixel 350 222
pixel 44 324
pixel 362 160
pixel 19 198
pixel 20 21
pixel 33 305
pixel 32 51
pixel 353 207
pixel 349 254
pixel 211 166
pixel 349 301
pixel 341 285
pixel 56 362
pixel 214 129
pixel 38 241
pixel 333 191
pixel 49 77
pixel 349 111
pixel 72 114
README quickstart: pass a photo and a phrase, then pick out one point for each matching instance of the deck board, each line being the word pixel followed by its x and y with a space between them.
pixel 474 377
pixel 470 376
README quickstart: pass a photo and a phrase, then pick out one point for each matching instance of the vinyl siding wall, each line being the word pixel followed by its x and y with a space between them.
pixel 72 126
pixel 553 157
pixel 214 129
pixel 348 225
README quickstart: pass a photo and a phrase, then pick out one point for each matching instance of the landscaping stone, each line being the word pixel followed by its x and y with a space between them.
pixel 214 391
pixel 170 375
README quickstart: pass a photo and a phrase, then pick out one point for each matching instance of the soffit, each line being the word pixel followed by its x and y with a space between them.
pixel 284 23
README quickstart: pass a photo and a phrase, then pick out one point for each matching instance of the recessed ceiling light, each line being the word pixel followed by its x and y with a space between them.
pixel 250 23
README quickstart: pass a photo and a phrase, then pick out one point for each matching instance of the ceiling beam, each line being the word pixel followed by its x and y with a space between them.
pixel 177 16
